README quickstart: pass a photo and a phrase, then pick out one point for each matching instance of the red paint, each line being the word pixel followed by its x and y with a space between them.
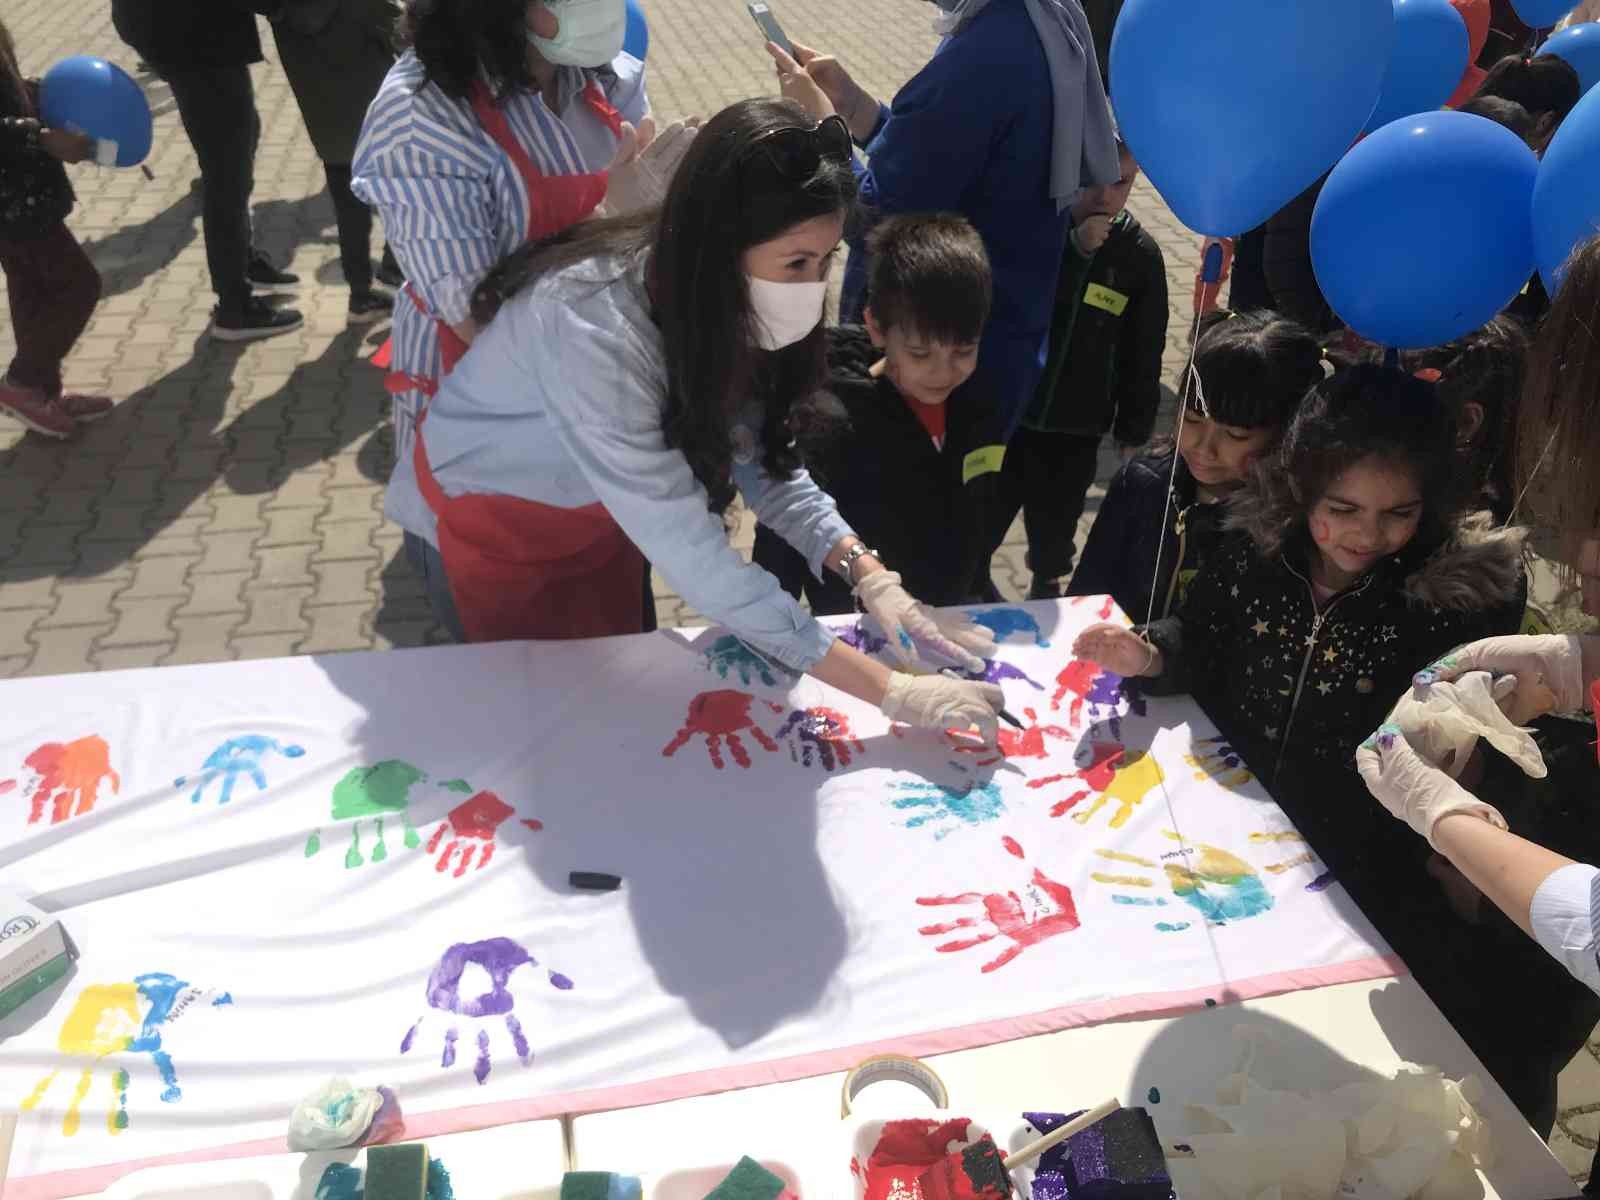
pixel 1012 743
pixel 1008 918
pixel 717 715
pixel 1320 533
pixel 1077 677
pixel 69 778
pixel 1104 760
pixel 533 824
pixel 473 821
pixel 7 785
pixel 1013 847
pixel 905 1150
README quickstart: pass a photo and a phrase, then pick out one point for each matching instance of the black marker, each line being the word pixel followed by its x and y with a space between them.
pixel 1010 720
pixel 594 881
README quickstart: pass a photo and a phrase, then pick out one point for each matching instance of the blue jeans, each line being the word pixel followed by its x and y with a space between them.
pixel 428 563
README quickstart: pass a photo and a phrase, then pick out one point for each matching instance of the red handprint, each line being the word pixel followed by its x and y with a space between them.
pixel 1044 910
pixel 1106 609
pixel 718 715
pixel 471 823
pixel 1101 690
pixel 1013 743
pixel 69 775
pixel 1114 773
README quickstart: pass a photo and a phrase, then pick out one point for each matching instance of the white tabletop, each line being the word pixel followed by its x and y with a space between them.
pixel 1327 1036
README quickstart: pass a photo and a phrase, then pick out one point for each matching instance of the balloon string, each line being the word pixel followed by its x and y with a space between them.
pixel 1191 379
pixel 1534 474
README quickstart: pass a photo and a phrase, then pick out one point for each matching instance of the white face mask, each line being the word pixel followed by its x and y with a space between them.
pixel 950 14
pixel 785 312
pixel 590 34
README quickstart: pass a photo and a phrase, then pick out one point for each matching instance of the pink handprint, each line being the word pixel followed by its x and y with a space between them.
pixel 722 715
pixel 1044 910
pixel 472 824
pixel 1013 743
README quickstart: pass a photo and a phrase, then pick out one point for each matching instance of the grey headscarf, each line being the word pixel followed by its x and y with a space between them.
pixel 1084 138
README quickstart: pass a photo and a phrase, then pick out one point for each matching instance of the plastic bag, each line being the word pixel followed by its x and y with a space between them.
pixel 338 1114
pixel 1445 727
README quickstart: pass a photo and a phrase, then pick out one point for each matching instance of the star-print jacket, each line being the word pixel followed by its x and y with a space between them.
pixel 1296 690
pixel 35 196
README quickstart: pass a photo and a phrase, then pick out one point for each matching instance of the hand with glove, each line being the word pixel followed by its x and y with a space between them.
pixel 939 702
pixel 643 166
pixel 1413 790
pixel 911 626
pixel 1556 660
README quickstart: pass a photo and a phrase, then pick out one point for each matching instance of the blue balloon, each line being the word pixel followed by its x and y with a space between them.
pixel 1578 46
pixel 1430 53
pixel 1235 107
pixel 637 38
pixel 1566 199
pixel 100 99
pixel 1541 14
pixel 1421 233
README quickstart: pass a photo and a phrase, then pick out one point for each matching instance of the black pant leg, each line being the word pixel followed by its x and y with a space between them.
pixel 217 106
pixel 355 228
pixel 1057 469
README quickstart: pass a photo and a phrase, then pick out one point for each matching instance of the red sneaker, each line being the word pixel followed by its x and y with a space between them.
pixel 37 411
pixel 85 408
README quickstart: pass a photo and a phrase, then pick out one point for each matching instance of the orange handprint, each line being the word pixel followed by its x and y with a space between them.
pixel 68 777
pixel 1044 910
pixel 1113 773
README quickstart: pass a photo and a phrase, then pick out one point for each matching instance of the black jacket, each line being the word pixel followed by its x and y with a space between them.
pixel 1296 691
pixel 181 35
pixel 1119 558
pixel 902 495
pixel 1107 334
pixel 34 193
pixel 336 54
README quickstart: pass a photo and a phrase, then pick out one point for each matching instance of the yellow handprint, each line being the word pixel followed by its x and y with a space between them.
pixel 1136 777
pixel 1221 886
pixel 1215 759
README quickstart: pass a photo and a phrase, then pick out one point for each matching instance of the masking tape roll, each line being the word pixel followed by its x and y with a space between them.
pixel 893 1066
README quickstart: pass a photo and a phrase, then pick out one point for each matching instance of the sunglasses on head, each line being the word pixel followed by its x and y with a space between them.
pixel 796 151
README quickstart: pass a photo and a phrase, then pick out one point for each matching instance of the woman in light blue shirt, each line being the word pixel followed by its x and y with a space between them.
pixel 632 376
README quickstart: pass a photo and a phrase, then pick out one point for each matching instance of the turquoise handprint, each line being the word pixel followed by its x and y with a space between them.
pixel 235 757
pixel 729 655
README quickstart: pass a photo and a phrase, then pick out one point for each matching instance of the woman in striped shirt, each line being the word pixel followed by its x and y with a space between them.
pixel 494 128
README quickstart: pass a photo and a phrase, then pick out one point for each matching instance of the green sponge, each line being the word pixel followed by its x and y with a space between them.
pixel 749 1180
pixel 397 1172
pixel 599 1185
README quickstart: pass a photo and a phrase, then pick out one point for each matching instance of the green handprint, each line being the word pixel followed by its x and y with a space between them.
pixel 373 793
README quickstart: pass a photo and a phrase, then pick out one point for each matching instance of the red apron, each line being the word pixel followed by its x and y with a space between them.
pixel 518 568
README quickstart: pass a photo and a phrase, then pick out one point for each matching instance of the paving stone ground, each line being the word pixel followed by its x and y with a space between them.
pixel 232 506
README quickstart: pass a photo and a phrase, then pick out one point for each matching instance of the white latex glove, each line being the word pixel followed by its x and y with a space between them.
pixel 641 179
pixel 909 625
pixel 939 702
pixel 1444 726
pixel 1556 657
pixel 1412 790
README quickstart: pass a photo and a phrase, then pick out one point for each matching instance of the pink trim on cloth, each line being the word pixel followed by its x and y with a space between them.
pixel 90 1180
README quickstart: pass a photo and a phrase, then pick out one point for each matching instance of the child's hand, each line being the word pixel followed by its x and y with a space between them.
pixel 65 145
pixel 1091 232
pixel 1119 650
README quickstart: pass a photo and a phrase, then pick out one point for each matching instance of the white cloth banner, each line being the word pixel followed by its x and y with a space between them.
pixel 357 865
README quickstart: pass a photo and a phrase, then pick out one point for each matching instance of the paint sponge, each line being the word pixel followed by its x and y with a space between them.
pixel 397 1172
pixel 749 1180
pixel 1118 1158
pixel 975 1172
pixel 599 1185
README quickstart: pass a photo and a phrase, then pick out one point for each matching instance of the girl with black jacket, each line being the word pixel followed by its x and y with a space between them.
pixel 1250 370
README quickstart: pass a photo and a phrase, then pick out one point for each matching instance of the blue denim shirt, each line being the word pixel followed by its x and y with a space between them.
pixel 559 401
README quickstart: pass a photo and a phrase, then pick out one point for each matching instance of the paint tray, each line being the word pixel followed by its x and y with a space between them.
pixel 961 1131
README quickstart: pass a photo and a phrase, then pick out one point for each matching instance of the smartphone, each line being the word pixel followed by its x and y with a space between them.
pixel 770 27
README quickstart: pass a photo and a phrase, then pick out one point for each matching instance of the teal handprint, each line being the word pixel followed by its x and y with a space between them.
pixel 235 757
pixel 728 655
pixel 947 808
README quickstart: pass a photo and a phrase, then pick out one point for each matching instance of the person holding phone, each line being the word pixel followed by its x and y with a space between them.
pixel 1005 125
pixel 632 376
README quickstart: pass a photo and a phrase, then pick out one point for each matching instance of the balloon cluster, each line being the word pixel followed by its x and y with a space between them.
pixel 1429 221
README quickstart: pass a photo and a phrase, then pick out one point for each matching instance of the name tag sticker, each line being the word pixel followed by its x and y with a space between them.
pixel 1101 297
pixel 982 461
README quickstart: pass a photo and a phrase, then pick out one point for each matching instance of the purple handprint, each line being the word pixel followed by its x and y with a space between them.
pixel 1100 690
pixel 499 957
pixel 823 730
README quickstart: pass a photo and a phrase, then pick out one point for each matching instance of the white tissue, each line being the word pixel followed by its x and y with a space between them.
pixel 336 1114
pixel 1446 726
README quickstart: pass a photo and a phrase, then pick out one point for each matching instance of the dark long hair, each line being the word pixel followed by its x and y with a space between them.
pixel 11 82
pixel 454 38
pixel 1254 367
pixel 1558 421
pixel 1541 84
pixel 1360 412
pixel 726 196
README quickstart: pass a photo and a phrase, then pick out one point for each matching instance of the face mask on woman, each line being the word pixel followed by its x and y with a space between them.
pixel 590 34
pixel 785 313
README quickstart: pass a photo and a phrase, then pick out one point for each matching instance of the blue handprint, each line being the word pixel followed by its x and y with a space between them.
pixel 728 654
pixel 948 808
pixel 1003 622
pixel 235 757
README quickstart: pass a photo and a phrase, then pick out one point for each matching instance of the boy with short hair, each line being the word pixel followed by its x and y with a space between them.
pixel 1103 374
pixel 907 451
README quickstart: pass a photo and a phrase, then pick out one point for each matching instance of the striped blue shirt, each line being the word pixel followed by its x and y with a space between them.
pixel 1565 915
pixel 452 202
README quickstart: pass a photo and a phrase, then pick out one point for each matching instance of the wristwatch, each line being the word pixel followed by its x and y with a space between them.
pixel 847 561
